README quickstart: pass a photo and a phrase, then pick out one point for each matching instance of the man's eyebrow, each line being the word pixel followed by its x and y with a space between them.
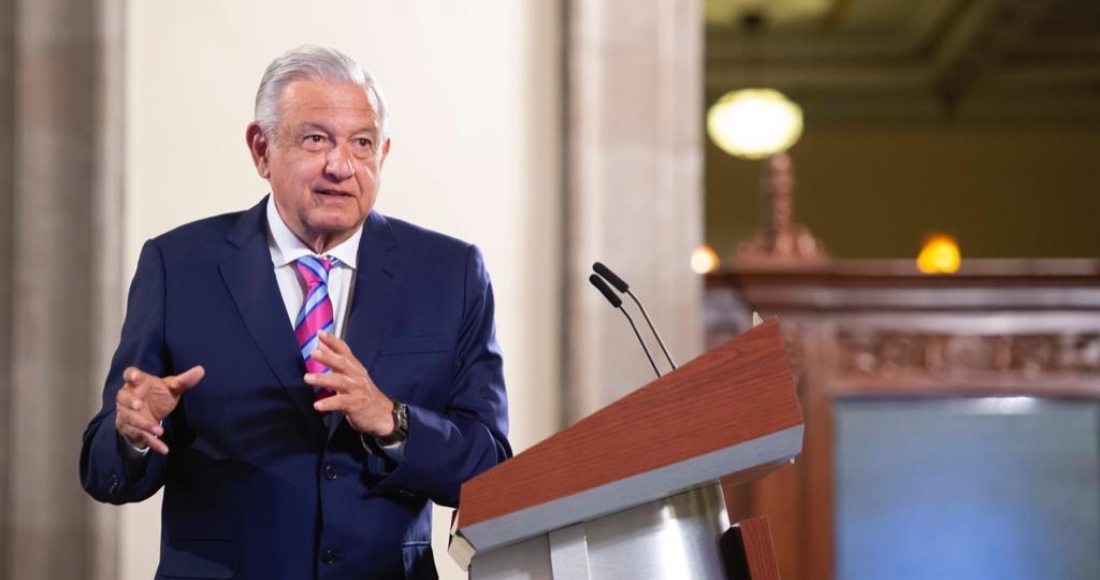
pixel 372 131
pixel 314 126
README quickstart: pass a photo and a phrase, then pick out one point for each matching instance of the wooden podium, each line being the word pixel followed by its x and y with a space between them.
pixel 632 490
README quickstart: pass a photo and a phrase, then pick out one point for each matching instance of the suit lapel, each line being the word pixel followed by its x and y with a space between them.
pixel 250 277
pixel 377 278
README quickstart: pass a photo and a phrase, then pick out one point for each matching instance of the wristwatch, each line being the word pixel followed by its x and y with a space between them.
pixel 400 425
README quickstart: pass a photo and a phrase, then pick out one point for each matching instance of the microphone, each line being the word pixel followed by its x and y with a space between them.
pixel 621 286
pixel 618 303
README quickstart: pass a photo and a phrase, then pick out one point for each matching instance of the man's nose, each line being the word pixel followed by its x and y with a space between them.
pixel 338 165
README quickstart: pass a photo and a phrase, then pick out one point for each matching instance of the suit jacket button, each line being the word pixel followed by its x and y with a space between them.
pixel 330 472
pixel 329 557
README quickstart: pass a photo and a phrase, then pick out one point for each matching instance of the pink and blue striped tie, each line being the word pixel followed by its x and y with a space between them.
pixel 316 313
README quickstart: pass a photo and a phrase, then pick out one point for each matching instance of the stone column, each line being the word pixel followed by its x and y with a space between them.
pixel 60 140
pixel 634 180
pixel 7 223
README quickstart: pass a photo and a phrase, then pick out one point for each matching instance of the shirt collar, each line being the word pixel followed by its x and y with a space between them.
pixel 286 248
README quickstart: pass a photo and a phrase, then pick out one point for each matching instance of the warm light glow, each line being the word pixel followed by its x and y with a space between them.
pixel 754 123
pixel 940 255
pixel 704 260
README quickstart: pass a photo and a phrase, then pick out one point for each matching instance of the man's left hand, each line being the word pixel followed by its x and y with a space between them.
pixel 367 409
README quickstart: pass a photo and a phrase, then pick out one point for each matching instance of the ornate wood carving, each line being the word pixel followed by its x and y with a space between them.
pixel 892 355
pixel 794 344
pixel 855 328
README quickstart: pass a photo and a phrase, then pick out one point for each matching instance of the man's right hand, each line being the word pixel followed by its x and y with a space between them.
pixel 145 400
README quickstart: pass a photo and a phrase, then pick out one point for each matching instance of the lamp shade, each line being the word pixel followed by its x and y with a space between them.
pixel 754 123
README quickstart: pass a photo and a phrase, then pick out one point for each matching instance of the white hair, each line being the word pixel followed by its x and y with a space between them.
pixel 319 64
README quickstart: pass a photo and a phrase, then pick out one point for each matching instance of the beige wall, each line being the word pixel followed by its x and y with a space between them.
pixel 473 89
pixel 1026 192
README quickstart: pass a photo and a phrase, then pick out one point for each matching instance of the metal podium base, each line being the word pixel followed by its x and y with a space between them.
pixel 670 539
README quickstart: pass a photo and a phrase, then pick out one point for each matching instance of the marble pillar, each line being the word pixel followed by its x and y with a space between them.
pixel 60 141
pixel 634 197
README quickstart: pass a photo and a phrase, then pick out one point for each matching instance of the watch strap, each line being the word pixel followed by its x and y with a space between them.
pixel 400 425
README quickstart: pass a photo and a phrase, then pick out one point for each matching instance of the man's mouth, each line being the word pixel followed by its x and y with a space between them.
pixel 331 193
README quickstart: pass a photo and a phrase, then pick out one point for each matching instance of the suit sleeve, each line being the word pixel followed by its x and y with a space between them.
pixel 443 450
pixel 105 472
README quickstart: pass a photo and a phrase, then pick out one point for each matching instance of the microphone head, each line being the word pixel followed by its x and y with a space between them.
pixel 610 276
pixel 607 292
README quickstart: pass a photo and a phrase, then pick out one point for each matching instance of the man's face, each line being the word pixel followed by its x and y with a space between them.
pixel 324 160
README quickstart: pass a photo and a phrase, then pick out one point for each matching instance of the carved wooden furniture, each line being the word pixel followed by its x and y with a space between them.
pixel 631 491
pixel 880 328
pixel 749 552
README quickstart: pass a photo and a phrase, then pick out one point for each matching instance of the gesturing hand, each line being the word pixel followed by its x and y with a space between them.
pixel 145 400
pixel 367 409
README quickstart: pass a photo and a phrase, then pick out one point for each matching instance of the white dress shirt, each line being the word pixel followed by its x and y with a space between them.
pixel 285 249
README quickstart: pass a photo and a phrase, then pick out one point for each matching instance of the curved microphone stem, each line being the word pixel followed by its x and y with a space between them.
pixel 652 328
pixel 639 335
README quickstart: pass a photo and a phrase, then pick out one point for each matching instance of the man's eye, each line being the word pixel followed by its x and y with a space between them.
pixel 363 142
pixel 315 138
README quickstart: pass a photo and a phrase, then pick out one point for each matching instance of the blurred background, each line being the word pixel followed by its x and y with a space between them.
pixel 913 189
pixel 977 118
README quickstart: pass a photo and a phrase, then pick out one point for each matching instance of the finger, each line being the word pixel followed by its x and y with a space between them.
pixel 338 382
pixel 341 348
pixel 158 446
pixel 143 439
pixel 140 421
pixel 133 436
pixel 337 362
pixel 154 444
pixel 337 402
pixel 134 376
pixel 344 359
pixel 127 398
pixel 334 343
pixel 186 380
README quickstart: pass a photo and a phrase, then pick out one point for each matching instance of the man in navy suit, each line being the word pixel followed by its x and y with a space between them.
pixel 288 450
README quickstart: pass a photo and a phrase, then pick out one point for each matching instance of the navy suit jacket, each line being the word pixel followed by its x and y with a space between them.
pixel 256 484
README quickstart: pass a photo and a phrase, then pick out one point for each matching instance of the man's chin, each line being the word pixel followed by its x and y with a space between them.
pixel 336 227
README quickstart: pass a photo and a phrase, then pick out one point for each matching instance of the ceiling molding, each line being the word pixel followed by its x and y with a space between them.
pixel 944 51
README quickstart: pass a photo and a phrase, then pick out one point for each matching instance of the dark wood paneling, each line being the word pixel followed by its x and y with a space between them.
pixel 877 328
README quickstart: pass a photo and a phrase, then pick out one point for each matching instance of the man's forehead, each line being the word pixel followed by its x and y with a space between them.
pixel 331 108
pixel 324 96
pixel 324 105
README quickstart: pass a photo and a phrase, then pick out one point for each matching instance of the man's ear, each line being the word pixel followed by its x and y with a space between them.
pixel 259 147
pixel 385 151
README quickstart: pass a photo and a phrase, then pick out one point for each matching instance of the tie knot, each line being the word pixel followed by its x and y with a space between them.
pixel 315 269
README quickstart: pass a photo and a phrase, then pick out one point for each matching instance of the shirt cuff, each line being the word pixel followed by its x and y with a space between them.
pixel 395 451
pixel 131 452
